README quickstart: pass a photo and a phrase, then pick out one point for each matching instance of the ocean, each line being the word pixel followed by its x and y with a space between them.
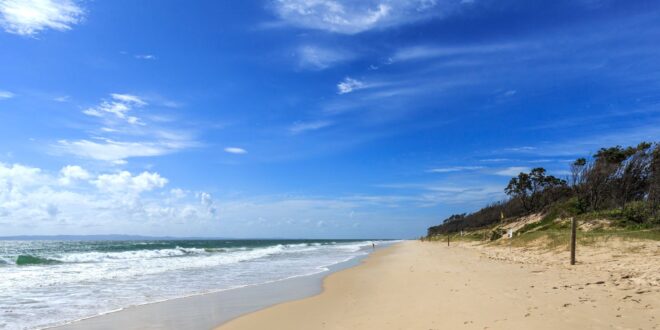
pixel 47 283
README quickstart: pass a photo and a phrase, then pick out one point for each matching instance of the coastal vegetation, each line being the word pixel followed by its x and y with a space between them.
pixel 616 191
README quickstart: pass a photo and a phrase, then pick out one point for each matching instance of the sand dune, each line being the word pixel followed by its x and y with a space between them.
pixel 415 285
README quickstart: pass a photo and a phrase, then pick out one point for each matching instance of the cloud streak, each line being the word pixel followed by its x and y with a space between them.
pixel 6 95
pixel 320 58
pixel 422 52
pixel 118 151
pixel 454 169
pixel 352 17
pixel 122 135
pixel 301 127
pixel 349 85
pixel 512 171
pixel 235 150
pixel 119 105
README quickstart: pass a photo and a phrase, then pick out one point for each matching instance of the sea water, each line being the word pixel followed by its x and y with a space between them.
pixel 46 283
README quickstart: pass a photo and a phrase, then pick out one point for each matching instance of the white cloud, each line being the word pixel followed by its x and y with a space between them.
pixel 119 135
pixel 205 198
pixel 511 92
pixel 520 149
pixel 119 105
pixel 207 201
pixel 145 57
pixel 71 173
pixel 352 16
pixel 178 193
pixel 495 160
pixel 125 182
pixel 478 194
pixel 349 85
pixel 17 176
pixel 433 194
pixel 63 98
pixel 301 127
pixel 117 202
pixel 116 151
pixel 33 201
pixel 425 51
pixel 454 169
pixel 235 150
pixel 6 95
pixel 319 58
pixel 512 171
pixel 128 98
pixel 29 17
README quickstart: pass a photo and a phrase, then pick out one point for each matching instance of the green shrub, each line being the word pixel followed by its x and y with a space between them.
pixel 574 206
pixel 496 234
pixel 637 212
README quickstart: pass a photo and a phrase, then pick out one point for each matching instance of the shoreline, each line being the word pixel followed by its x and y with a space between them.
pixel 219 306
pixel 415 285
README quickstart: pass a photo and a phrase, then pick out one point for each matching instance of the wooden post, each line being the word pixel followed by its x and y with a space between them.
pixel 573 231
pixel 447 239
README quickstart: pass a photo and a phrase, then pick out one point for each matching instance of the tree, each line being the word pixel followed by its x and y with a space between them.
pixel 632 177
pixel 601 174
pixel 534 189
pixel 519 187
pixel 579 170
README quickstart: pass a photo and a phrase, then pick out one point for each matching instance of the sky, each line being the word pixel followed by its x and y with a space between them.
pixel 306 118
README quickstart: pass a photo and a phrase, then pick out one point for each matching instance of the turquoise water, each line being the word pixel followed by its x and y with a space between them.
pixel 47 283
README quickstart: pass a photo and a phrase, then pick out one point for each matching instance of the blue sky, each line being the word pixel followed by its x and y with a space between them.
pixel 305 118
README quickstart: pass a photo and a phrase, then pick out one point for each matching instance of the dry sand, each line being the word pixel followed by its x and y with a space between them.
pixel 415 285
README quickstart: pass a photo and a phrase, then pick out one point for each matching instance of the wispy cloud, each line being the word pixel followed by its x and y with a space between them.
pixel 320 58
pixel 351 17
pixel 454 169
pixel 119 135
pixel 118 151
pixel 145 57
pixel 301 127
pixel 589 143
pixel 349 85
pixel 432 194
pixel 495 160
pixel 29 17
pixel 450 194
pixel 511 92
pixel 520 149
pixel 119 105
pixel 235 150
pixel 6 95
pixel 512 171
pixel 427 51
pixel 63 98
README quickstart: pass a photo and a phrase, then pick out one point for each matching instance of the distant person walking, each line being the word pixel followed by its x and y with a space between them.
pixel 373 245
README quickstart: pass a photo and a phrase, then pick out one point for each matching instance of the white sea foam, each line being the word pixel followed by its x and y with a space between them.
pixel 41 295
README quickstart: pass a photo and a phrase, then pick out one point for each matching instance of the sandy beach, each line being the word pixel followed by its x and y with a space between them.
pixel 417 285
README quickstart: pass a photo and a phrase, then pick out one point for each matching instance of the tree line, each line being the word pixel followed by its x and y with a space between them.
pixel 625 180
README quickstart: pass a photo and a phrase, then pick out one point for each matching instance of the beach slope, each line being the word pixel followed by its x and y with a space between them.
pixel 415 285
